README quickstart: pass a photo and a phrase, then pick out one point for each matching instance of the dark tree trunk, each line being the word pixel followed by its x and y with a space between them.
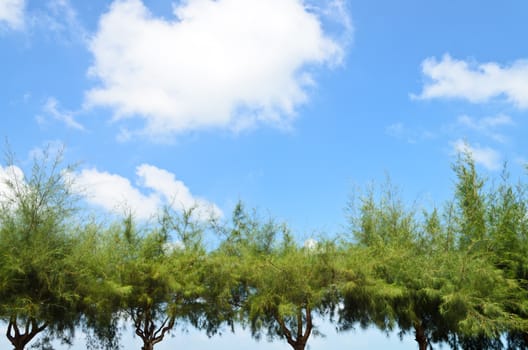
pixel 420 337
pixel 147 346
pixel 301 339
pixel 147 330
pixel 20 340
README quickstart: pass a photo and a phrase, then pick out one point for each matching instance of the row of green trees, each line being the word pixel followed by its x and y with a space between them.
pixel 455 275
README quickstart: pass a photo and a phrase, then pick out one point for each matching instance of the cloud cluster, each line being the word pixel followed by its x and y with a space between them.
pixel 116 193
pixel 224 63
pixel 12 13
pixel 452 78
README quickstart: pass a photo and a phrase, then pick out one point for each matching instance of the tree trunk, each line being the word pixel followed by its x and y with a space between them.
pixel 420 336
pixel 20 340
pixel 299 341
pixel 147 330
pixel 19 345
pixel 147 345
pixel 299 346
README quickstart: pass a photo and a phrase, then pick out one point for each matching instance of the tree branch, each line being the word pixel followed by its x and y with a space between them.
pixel 285 330
pixel 164 330
pixel 309 324
pixel 299 325
pixel 31 330
pixel 10 329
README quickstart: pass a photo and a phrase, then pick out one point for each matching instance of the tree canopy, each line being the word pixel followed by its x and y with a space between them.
pixel 38 283
pixel 453 275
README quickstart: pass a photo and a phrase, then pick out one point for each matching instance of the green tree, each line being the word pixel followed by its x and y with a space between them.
pixel 283 286
pixel 448 289
pixel 37 279
pixel 365 296
pixel 491 223
pixel 470 203
pixel 508 234
pixel 382 226
pixel 157 282
pixel 96 254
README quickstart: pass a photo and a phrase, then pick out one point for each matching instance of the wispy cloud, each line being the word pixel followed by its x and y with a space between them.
pixel 59 18
pixel 487 126
pixel 485 156
pixel 335 12
pixel 12 13
pixel 155 187
pixel 223 64
pixel 411 135
pixel 477 83
pixel 53 18
pixel 51 110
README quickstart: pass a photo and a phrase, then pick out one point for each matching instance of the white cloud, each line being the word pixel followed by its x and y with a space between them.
pixel 224 63
pixel 60 18
pixel 310 244
pixel 12 13
pixel 116 193
pixel 51 109
pixel 452 78
pixel 486 156
pixel 57 20
pixel 57 17
pixel 11 174
pixel 488 125
pixel 337 13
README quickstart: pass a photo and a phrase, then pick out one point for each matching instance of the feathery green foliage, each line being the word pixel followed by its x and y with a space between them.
pixel 457 276
pixel 154 281
pixel 37 279
pixel 282 285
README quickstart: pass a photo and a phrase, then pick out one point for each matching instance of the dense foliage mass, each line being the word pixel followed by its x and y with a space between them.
pixel 455 275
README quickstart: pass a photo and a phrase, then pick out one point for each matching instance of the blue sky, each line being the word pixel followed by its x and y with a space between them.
pixel 287 105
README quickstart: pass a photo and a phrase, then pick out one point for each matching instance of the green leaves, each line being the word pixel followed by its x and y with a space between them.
pixel 37 279
pixel 452 272
pixel 456 274
pixel 280 285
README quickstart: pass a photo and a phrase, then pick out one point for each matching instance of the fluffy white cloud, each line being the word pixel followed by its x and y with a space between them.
pixel 451 78
pixel 486 156
pixel 116 193
pixel 224 63
pixel 12 13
